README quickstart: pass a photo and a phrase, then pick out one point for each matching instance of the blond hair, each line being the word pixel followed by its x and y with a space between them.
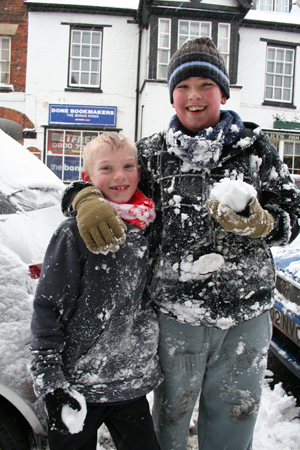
pixel 115 140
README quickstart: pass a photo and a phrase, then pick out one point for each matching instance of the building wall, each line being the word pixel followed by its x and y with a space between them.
pixel 15 12
pixel 47 80
pixel 251 75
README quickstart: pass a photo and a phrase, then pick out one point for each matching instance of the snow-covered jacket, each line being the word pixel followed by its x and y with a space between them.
pixel 185 239
pixel 91 327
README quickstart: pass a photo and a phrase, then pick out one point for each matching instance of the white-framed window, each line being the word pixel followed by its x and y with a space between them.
pixel 163 47
pixel 224 42
pixel 5 46
pixel 190 29
pixel 279 74
pixel 273 5
pixel 291 156
pixel 85 58
pixel 64 152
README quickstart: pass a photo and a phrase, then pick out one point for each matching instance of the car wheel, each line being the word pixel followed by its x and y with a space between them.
pixel 14 430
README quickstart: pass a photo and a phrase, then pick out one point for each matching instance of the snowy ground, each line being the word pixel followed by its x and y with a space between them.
pixel 277 427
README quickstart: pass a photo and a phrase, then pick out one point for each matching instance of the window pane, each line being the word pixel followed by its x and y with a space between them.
pixel 84 78
pixel 278 81
pixel 75 78
pixel 85 51
pixel 4 78
pixel 269 93
pixel 206 29
pixel 279 68
pixel 95 78
pixel 297 148
pixel 286 94
pixel 164 41
pixel 183 27
pixel 85 65
pixel 95 52
pixel 288 69
pixel 76 35
pixel 86 37
pixel 164 26
pixel 194 29
pixel 76 50
pixel 288 148
pixel 289 162
pixel 163 56
pixel 96 38
pixel 277 94
pixel 270 80
pixel 289 56
pixel 287 82
pixel 280 55
pixel 162 72
pixel 95 66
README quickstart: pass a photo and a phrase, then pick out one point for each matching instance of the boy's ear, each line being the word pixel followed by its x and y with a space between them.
pixel 139 172
pixel 85 176
pixel 223 99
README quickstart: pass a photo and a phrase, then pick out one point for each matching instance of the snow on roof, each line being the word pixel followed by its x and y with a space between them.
pixel 124 4
pixel 276 17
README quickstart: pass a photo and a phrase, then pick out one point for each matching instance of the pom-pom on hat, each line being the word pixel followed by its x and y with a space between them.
pixel 198 58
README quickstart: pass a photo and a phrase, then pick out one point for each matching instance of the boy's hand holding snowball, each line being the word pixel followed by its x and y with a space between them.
pixel 98 222
pixel 66 410
pixel 230 197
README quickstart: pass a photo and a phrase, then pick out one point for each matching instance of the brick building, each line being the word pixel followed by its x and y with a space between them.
pixel 13 59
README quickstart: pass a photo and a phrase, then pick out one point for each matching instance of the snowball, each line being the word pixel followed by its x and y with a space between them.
pixel 233 193
pixel 74 420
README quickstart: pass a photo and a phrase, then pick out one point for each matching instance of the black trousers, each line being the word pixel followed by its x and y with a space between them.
pixel 129 424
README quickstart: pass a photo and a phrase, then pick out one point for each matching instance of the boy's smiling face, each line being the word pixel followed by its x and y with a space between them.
pixel 197 103
pixel 115 173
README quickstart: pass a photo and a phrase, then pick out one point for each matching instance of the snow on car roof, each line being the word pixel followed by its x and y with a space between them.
pixel 20 169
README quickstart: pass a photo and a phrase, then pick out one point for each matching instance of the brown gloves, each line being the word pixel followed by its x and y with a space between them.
pixel 98 222
pixel 259 223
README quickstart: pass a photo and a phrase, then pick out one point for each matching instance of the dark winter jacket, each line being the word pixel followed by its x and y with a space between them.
pixel 183 232
pixel 91 328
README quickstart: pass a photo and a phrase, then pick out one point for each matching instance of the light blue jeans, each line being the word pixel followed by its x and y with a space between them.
pixel 226 367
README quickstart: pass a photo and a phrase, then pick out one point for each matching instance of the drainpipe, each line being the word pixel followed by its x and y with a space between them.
pixel 138 86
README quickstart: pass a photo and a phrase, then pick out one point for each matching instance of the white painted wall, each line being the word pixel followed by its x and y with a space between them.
pixel 47 68
pixel 156 109
pixel 251 75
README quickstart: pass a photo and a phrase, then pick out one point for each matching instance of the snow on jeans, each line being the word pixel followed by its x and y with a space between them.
pixel 226 366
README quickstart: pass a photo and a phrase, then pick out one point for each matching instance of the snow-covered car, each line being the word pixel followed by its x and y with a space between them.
pixel 285 314
pixel 29 214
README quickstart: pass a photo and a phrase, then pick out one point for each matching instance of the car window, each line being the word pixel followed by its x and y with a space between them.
pixel 6 207
pixel 30 199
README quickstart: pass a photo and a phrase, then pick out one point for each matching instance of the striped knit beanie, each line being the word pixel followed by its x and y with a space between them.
pixel 198 58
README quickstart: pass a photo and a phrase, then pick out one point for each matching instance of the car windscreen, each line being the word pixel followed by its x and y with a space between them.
pixel 6 207
pixel 29 199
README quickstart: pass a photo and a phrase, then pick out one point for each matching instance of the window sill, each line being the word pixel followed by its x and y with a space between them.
pixel 6 88
pixel 279 104
pixel 82 89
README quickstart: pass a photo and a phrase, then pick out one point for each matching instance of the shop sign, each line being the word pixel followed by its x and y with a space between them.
pixel 282 136
pixel 104 116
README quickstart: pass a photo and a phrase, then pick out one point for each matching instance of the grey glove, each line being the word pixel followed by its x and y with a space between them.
pixel 260 222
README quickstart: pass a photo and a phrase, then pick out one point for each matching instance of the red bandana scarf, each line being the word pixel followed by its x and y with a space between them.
pixel 140 211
